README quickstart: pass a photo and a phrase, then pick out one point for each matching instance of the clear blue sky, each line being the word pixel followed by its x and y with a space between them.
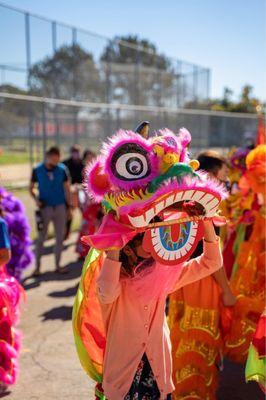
pixel 228 36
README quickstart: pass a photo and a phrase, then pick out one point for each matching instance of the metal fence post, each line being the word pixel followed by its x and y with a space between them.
pixel 137 78
pixel 44 131
pixel 183 87
pixel 178 85
pixel 165 119
pixel 108 72
pixel 118 122
pixel 195 83
pixel 75 111
pixel 28 63
pixel 208 83
pixel 55 111
pixel 108 92
pixel 159 85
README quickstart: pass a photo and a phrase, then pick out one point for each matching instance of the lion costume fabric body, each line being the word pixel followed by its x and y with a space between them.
pixel 137 179
pixel 248 274
pixel 201 327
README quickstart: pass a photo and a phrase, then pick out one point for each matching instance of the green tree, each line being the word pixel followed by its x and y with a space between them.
pixel 246 103
pixel 130 49
pixel 223 104
pixel 227 98
pixel 138 74
pixel 69 73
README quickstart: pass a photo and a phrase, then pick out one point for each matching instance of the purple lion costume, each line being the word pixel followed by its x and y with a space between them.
pixel 11 292
pixel 19 232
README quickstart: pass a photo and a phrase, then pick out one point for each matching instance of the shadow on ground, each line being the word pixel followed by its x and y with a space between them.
pixel 69 292
pixel 73 268
pixel 4 394
pixel 49 249
pixel 64 313
pixel 233 386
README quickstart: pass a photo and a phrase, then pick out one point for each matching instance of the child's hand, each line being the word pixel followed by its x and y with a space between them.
pixel 113 255
pixel 229 299
pixel 209 232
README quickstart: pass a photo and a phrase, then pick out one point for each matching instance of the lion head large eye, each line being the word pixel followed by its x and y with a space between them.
pixel 130 162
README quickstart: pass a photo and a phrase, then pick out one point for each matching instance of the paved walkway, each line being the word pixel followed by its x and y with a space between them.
pixel 49 367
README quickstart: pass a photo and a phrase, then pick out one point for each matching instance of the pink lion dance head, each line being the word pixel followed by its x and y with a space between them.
pixel 142 180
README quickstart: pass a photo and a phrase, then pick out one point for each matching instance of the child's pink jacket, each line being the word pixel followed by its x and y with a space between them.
pixel 134 326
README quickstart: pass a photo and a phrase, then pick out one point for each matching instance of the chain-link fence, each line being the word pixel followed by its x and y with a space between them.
pixel 33 125
pixel 94 86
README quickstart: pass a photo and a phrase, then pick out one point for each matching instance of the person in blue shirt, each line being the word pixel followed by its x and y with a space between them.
pixel 53 200
pixel 5 253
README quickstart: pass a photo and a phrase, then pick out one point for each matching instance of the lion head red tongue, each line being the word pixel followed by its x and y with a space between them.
pixel 173 244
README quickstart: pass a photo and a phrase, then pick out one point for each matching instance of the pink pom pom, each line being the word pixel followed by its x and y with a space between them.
pixel 8 365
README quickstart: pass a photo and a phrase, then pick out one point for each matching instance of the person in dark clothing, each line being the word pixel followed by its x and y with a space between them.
pixel 88 156
pixel 216 166
pixel 92 213
pixel 75 165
